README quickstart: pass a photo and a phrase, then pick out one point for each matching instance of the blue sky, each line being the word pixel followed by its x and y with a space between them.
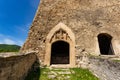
pixel 16 17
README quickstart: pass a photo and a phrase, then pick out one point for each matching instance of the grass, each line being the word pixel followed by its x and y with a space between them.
pixel 116 60
pixel 42 74
pixel 82 74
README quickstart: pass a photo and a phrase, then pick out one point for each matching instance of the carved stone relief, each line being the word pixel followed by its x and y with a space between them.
pixel 60 35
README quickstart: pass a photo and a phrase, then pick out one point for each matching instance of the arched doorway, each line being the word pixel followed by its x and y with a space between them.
pixel 60 46
pixel 60 53
pixel 105 44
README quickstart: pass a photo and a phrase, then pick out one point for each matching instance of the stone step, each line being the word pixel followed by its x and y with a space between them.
pixel 67 66
pixel 63 69
pixel 64 72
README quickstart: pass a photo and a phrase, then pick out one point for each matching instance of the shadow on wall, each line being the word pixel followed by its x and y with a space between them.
pixel 105 44
pixel 35 72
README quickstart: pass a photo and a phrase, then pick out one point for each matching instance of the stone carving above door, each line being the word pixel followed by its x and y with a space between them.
pixel 60 32
pixel 60 35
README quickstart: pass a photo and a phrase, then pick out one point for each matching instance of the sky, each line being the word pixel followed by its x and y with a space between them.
pixel 16 16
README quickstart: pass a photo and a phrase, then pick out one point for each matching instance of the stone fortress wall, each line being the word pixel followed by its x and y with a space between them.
pixel 77 22
pixel 87 19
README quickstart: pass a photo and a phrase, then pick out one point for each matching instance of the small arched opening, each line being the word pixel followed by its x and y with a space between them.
pixel 105 44
pixel 60 53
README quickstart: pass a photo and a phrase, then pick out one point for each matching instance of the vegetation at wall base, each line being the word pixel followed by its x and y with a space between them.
pixel 116 60
pixel 9 48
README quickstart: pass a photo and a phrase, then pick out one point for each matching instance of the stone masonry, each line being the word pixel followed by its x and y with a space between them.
pixel 83 24
pixel 16 67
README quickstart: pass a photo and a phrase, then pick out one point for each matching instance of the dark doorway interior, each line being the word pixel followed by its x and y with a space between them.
pixel 105 44
pixel 60 53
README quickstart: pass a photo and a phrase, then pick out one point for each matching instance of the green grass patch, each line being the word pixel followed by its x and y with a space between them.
pixel 116 60
pixel 82 74
pixel 44 75
pixel 79 74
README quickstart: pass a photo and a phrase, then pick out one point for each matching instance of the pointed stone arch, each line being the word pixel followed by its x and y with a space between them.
pixel 60 33
pixel 63 27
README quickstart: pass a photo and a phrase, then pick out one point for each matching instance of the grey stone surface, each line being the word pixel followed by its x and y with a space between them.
pixel 105 69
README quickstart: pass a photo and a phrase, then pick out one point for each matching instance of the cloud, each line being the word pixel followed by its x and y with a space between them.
pixel 9 41
pixel 4 39
pixel 1 42
pixel 20 36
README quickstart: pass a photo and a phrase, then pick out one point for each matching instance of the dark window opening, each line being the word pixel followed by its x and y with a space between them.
pixel 105 44
pixel 60 53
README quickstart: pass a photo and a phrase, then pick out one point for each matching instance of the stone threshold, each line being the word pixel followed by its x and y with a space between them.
pixel 60 66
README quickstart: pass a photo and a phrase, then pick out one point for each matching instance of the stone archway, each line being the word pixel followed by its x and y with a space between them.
pixel 60 34
pixel 105 44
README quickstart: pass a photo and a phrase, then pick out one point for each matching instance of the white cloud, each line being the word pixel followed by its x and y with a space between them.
pixel 9 40
pixel 1 42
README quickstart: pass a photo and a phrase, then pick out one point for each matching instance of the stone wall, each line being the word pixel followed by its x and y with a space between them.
pixel 16 67
pixel 86 19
